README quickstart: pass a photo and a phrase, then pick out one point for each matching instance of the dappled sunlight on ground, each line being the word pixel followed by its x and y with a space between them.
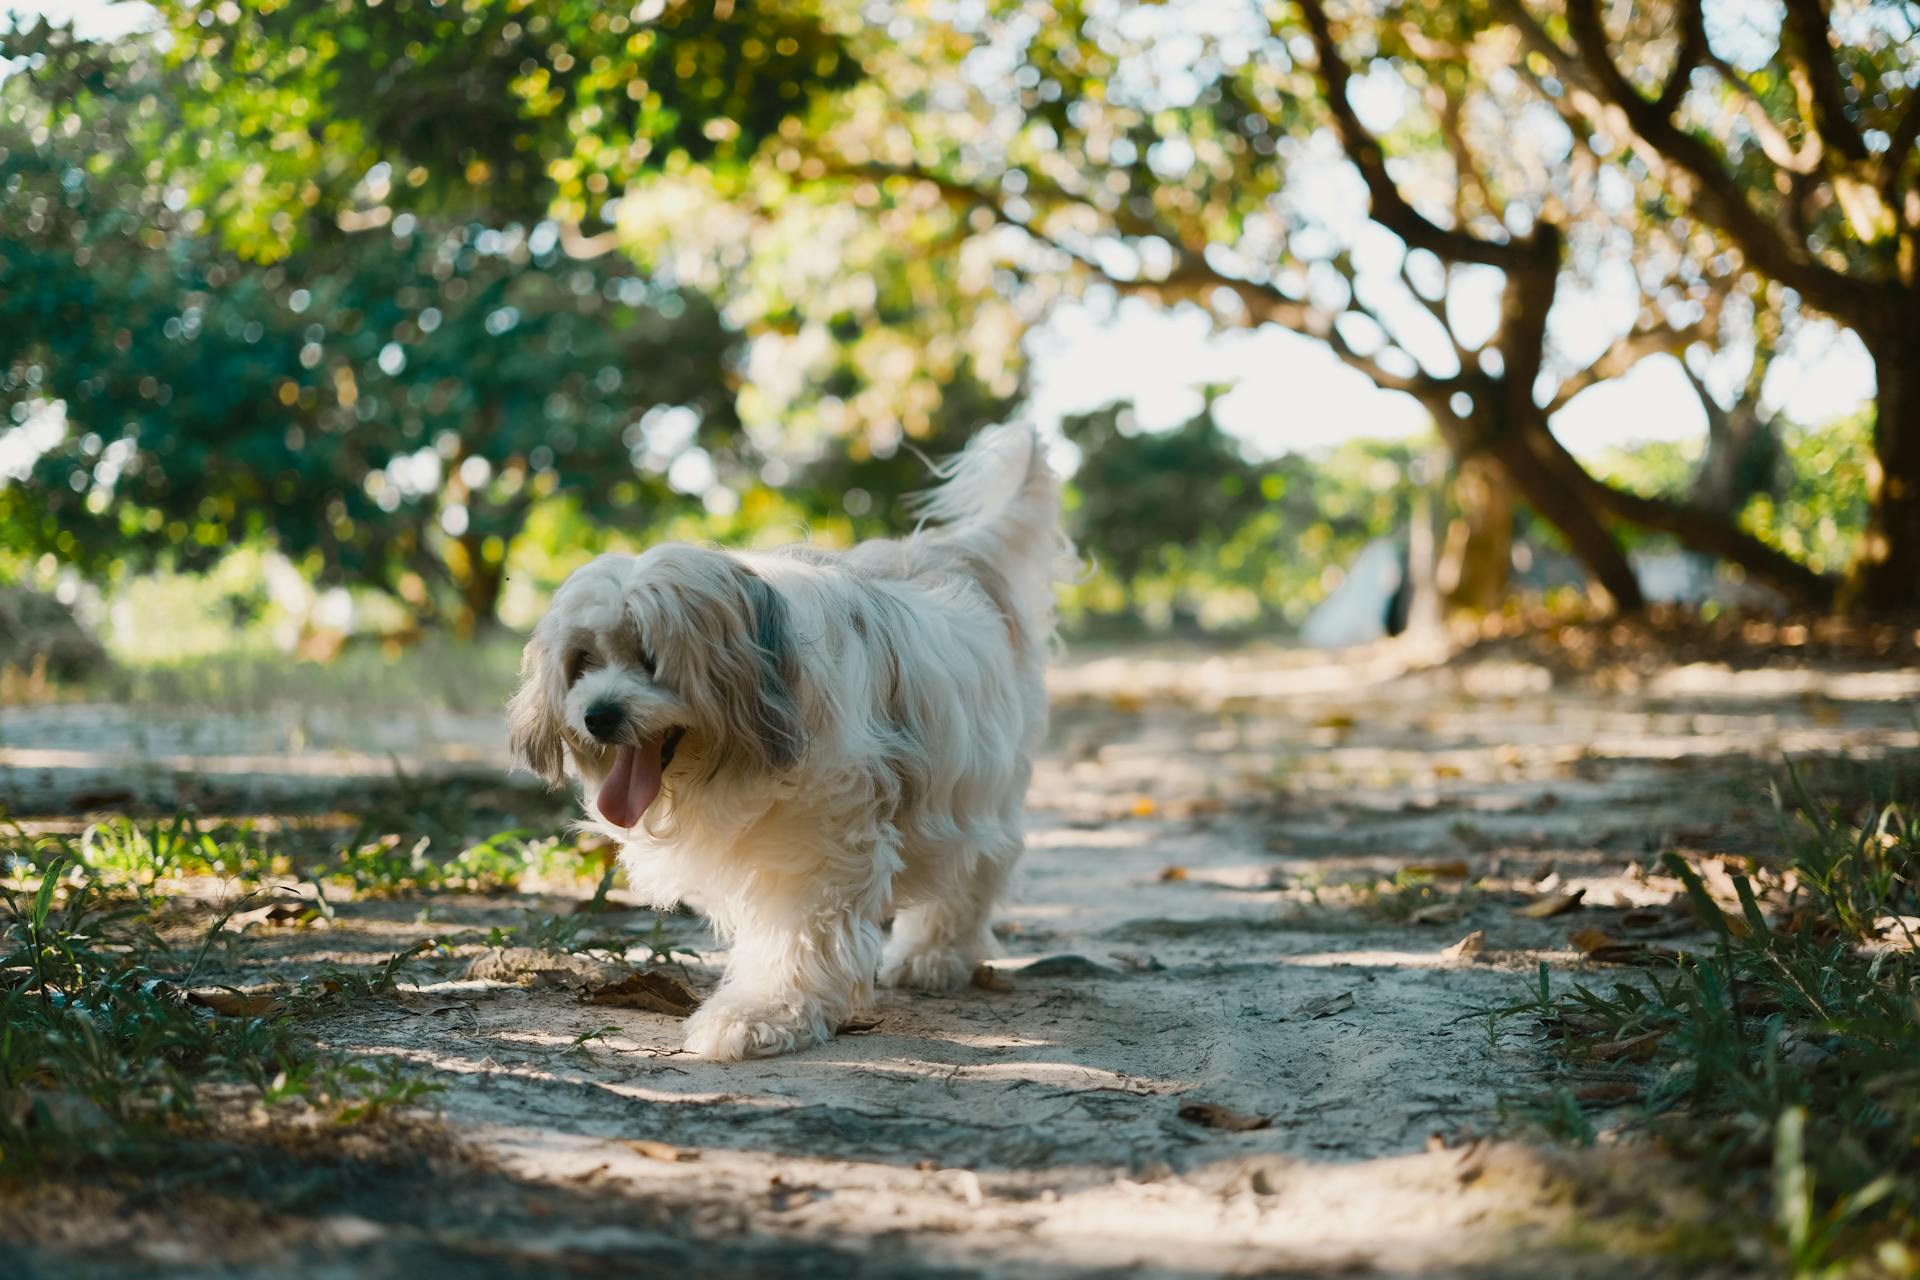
pixel 1292 889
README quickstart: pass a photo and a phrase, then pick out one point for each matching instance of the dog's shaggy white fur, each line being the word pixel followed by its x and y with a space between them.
pixel 801 743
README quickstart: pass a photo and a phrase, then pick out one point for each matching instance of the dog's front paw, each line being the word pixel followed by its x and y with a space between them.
pixel 727 1031
pixel 929 969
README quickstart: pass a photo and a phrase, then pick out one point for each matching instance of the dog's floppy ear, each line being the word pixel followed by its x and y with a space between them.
pixel 775 715
pixel 533 715
pixel 750 669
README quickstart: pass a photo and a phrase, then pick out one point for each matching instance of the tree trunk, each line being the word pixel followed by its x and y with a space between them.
pixel 1519 438
pixel 1885 578
pixel 479 581
pixel 1426 611
pixel 1478 556
pixel 1742 454
pixel 1568 509
pixel 1697 530
pixel 1743 445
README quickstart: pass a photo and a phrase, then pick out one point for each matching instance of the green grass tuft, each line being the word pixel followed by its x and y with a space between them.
pixel 1783 1059
pixel 109 1053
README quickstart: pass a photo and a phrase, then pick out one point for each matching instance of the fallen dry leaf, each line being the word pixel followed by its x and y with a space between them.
pixel 1437 913
pixel 1199 807
pixel 1215 1116
pixel 1143 807
pixel 1631 953
pixel 1590 939
pixel 661 1151
pixel 1325 1007
pixel 1471 945
pixel 1573 1024
pixel 1448 771
pixel 235 1004
pixel 1067 965
pixel 1753 1001
pixel 1607 1091
pixel 857 1026
pixel 1637 1048
pixel 1173 873
pixel 654 992
pixel 539 968
pixel 421 1006
pixel 1452 869
pixel 1338 722
pixel 988 978
pixel 293 913
pixel 1557 904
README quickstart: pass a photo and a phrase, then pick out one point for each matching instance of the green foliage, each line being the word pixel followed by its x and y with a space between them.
pixel 1853 875
pixel 1180 524
pixel 526 257
pixel 1662 467
pixel 123 851
pixel 384 406
pixel 1815 506
pixel 1793 1025
pixel 109 1050
pixel 104 1057
pixel 522 110
pixel 1146 495
pixel 392 865
pixel 1821 512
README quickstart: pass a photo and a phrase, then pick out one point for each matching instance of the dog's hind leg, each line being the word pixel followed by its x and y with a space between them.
pixel 938 941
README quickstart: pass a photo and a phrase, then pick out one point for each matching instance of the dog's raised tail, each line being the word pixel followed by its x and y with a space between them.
pixel 998 503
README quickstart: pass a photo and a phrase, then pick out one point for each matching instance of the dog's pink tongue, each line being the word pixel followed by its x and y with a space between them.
pixel 632 783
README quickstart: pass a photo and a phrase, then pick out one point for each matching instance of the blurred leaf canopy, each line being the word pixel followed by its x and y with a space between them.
pixel 382 279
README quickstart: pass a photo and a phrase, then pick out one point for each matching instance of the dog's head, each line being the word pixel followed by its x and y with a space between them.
pixel 681 659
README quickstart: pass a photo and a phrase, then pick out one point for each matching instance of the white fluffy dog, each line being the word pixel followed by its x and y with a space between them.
pixel 801 743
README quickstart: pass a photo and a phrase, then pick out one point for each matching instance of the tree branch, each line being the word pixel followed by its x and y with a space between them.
pixel 1718 419
pixel 1705 182
pixel 1773 140
pixel 1894 163
pixel 1447 108
pixel 1191 277
pixel 1437 308
pixel 1687 56
pixel 1705 531
pixel 1626 351
pixel 1807 26
pixel 1388 206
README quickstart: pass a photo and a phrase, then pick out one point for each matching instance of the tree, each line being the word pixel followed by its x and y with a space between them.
pixel 940 179
pixel 1194 193
pixel 1743 454
pixel 1140 493
pixel 383 404
pixel 1812 173
pixel 1181 524
pixel 522 110
pixel 670 132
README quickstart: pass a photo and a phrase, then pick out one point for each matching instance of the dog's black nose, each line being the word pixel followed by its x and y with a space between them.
pixel 603 720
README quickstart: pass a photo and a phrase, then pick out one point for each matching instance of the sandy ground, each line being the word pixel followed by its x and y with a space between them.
pixel 1197 922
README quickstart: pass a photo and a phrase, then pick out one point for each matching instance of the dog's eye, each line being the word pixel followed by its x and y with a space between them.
pixel 579 662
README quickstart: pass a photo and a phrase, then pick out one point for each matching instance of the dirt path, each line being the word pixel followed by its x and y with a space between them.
pixel 1207 914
